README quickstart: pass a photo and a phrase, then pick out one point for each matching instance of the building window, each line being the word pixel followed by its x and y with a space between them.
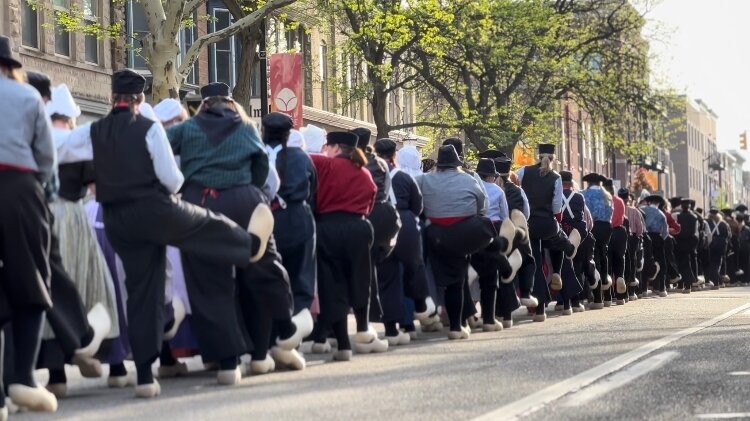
pixel 29 26
pixel 137 30
pixel 188 35
pixel 62 37
pixel 91 13
pixel 324 76
pixel 223 53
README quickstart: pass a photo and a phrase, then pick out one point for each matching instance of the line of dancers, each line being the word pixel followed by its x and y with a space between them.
pixel 154 235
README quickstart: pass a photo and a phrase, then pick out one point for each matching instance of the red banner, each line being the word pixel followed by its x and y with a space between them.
pixel 287 86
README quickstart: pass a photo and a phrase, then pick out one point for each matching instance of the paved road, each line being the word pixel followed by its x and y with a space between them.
pixel 681 357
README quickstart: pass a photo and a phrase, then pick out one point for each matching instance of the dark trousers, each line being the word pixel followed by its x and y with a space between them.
pixel 403 273
pixel 715 261
pixel 490 265
pixel 19 346
pixel 602 232
pixel 659 256
pixel 262 288
pixel 618 246
pixel 139 232
pixel 648 263
pixel 343 243
pixel 585 268
pixel 386 223
pixel 631 260
pixel 684 251
pixel 545 233
pixel 672 271
pixel 300 263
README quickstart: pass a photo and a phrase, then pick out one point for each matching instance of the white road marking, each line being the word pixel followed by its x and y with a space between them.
pixel 538 400
pixel 725 416
pixel 619 379
pixel 739 373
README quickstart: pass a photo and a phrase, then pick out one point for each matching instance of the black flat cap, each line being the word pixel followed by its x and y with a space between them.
pixel 727 211
pixel 547 148
pixel 385 147
pixel 655 198
pixel 623 194
pixel 128 82
pixel 6 55
pixel 215 89
pixel 593 178
pixel 363 136
pixel 277 122
pixel 492 154
pixel 457 144
pixel 486 166
pixel 741 208
pixel 341 138
pixel 448 158
pixel 566 176
pixel 503 166
pixel 41 83
pixel 607 182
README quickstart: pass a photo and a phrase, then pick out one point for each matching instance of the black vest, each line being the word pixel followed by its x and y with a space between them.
pixel 688 224
pixel 123 166
pixel 539 190
pixel 74 179
pixel 513 196
pixel 379 171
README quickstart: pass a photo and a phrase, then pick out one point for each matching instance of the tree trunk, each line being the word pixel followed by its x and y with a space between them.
pixel 162 63
pixel 248 58
pixel 474 136
pixel 379 102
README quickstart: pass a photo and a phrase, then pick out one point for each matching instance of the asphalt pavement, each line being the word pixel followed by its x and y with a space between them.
pixel 680 357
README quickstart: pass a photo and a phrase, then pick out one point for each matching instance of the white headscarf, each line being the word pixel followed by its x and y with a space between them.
pixel 295 139
pixel 62 103
pixel 168 109
pixel 315 138
pixel 409 160
pixel 147 111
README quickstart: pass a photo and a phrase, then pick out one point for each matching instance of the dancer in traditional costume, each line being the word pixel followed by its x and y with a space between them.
pixel 454 205
pixel 573 217
pixel 346 194
pixel 618 243
pixel 686 243
pixel 543 187
pixel 633 255
pixel 402 274
pixel 518 206
pixel 600 204
pixel 720 236
pixel 135 181
pixel 658 231
pixel 27 162
pixel 498 262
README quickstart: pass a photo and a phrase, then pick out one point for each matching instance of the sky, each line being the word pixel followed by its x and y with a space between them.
pixel 702 48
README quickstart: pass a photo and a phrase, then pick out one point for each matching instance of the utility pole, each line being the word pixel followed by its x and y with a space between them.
pixel 263 56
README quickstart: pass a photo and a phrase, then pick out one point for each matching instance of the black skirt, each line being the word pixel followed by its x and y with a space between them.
pixel 24 244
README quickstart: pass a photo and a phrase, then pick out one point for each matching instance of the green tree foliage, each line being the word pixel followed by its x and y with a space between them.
pixel 497 70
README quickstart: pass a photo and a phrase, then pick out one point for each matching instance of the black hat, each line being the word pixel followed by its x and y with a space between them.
pixel 363 136
pixel 686 201
pixel 699 211
pixel 623 193
pixel 741 208
pixel 727 211
pixel 546 148
pixel 447 157
pixel 486 167
pixel 215 89
pixel 566 176
pixel 593 178
pixel 713 211
pixel 457 144
pixel 277 122
pixel 128 82
pixel 656 199
pixel 607 182
pixel 493 154
pixel 691 202
pixel 503 166
pixel 341 138
pixel 6 56
pixel 385 147
pixel 675 201
pixel 41 83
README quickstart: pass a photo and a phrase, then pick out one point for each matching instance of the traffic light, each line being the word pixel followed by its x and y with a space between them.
pixel 743 141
